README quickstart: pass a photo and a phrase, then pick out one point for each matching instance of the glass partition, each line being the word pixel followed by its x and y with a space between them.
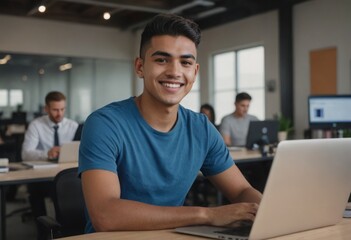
pixel 88 83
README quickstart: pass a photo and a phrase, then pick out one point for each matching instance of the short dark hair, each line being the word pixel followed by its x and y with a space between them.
pixel 169 24
pixel 54 96
pixel 242 96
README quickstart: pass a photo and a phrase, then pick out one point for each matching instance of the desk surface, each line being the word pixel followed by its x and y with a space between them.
pixel 244 155
pixel 341 231
pixel 33 175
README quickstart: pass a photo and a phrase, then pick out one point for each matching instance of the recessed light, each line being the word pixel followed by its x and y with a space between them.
pixel 41 8
pixel 107 16
pixel 41 71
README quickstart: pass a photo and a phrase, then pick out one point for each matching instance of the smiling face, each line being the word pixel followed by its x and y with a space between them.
pixel 169 69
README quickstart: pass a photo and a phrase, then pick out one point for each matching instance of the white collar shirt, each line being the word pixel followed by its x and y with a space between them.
pixel 39 137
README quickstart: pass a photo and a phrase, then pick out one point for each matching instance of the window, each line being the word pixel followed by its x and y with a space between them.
pixel 192 99
pixel 3 97
pixel 12 97
pixel 16 97
pixel 239 71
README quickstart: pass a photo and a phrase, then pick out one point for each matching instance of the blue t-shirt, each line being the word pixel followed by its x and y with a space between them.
pixel 153 167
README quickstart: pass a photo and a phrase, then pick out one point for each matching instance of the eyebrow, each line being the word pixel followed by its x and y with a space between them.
pixel 166 54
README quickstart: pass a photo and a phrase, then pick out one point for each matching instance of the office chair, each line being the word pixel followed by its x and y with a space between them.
pixel 69 206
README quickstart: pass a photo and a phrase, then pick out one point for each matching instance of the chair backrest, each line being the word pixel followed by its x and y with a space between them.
pixel 69 202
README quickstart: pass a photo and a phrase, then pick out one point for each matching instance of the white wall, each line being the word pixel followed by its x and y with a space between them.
pixel 319 24
pixel 257 30
pixel 28 35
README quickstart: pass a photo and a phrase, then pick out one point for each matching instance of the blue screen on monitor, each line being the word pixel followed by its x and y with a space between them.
pixel 329 111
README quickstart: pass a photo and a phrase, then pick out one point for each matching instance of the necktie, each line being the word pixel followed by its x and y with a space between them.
pixel 56 137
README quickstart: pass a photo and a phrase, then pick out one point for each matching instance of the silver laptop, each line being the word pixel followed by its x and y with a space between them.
pixel 69 152
pixel 308 187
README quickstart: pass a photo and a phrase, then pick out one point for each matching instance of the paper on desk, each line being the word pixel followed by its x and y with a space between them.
pixel 40 164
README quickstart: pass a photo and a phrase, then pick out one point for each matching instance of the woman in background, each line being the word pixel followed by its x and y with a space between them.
pixel 209 111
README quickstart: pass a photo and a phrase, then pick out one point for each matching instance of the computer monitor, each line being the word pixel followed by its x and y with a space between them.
pixel 329 111
pixel 19 117
pixel 262 133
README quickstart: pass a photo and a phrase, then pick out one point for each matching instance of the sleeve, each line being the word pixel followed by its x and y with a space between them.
pixel 30 144
pixel 225 126
pixel 98 147
pixel 218 158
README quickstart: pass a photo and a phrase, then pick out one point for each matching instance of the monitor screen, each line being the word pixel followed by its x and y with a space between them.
pixel 329 111
pixel 262 132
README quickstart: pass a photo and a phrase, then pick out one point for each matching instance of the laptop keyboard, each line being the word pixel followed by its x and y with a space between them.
pixel 237 231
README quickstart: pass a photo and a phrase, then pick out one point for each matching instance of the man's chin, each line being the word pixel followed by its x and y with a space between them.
pixel 172 102
pixel 58 120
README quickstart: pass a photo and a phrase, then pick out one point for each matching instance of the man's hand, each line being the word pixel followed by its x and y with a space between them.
pixel 53 153
pixel 232 215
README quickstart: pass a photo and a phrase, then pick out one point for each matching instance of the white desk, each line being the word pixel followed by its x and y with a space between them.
pixel 23 177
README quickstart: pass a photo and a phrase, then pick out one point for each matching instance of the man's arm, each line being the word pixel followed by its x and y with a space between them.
pixel 240 193
pixel 227 139
pixel 30 144
pixel 235 187
pixel 108 212
pixel 225 132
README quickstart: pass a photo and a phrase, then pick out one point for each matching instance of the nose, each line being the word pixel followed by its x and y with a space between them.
pixel 60 113
pixel 173 70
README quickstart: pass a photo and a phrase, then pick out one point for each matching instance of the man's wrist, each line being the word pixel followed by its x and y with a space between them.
pixel 203 216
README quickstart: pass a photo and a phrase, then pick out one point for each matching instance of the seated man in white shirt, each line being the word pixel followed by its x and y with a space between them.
pixel 42 141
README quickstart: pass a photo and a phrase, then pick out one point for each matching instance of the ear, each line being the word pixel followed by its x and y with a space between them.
pixel 46 108
pixel 197 68
pixel 139 67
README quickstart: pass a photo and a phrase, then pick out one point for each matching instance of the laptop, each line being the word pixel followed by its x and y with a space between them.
pixel 308 187
pixel 262 133
pixel 69 152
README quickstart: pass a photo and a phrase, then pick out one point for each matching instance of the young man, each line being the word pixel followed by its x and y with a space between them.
pixel 139 157
pixel 40 145
pixel 234 127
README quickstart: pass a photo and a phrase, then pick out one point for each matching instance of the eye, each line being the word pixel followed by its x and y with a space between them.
pixel 161 60
pixel 187 63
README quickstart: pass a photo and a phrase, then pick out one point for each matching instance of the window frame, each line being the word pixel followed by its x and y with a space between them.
pixel 237 88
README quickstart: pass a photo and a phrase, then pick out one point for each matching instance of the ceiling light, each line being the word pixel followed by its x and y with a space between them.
pixel 65 67
pixel 5 59
pixel 107 16
pixel 41 8
pixel 41 71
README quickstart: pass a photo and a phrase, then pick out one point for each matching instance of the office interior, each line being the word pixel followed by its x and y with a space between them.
pixel 316 24
pixel 103 58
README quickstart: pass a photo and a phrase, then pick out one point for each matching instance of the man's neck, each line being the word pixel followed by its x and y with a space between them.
pixel 159 116
pixel 238 115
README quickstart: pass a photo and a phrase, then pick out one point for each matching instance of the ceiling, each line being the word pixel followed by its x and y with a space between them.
pixel 129 15
pixel 134 14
